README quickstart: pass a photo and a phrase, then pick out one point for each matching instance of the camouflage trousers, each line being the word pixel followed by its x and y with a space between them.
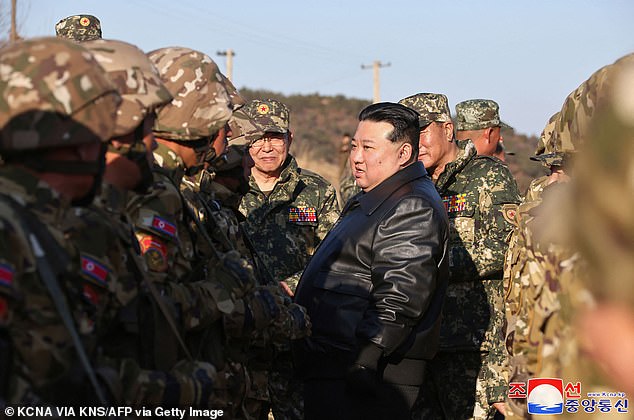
pixel 450 389
pixel 286 391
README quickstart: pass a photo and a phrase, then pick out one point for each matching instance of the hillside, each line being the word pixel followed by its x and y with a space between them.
pixel 318 123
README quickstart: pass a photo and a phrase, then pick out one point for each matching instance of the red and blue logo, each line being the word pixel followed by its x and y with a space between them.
pixel 545 396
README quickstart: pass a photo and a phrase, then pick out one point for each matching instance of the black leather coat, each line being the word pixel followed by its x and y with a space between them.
pixel 378 279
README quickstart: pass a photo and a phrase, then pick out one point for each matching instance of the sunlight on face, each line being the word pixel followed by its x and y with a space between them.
pixel 373 158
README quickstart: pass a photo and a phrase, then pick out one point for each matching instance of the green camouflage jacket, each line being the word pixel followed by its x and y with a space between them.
pixel 481 198
pixel 286 227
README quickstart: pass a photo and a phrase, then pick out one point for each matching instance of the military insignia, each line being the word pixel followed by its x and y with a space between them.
pixel 84 21
pixel 263 109
pixel 509 211
pixel 302 214
pixel 155 253
pixel 90 294
pixel 6 276
pixel 454 203
pixel 95 271
pixel 164 226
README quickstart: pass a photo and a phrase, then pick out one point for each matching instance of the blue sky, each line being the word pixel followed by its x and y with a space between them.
pixel 526 55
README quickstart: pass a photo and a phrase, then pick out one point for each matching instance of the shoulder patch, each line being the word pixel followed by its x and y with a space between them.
pixel 93 270
pixel 163 226
pixel 155 253
pixel 302 214
pixel 509 211
pixel 455 203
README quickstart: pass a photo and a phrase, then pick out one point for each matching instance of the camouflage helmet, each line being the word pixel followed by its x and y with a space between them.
pixel 545 145
pixel 136 79
pixel 79 28
pixel 244 130
pixel 269 115
pixel 478 114
pixel 432 107
pixel 51 91
pixel 572 124
pixel 203 98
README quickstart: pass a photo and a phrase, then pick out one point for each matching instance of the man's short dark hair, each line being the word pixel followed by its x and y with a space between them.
pixel 403 119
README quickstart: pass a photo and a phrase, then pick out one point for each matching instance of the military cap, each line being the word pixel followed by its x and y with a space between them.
pixel 53 93
pixel 432 107
pixel 478 114
pixel 79 28
pixel 203 97
pixel 269 115
pixel 136 79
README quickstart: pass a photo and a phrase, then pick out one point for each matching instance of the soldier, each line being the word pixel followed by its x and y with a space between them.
pixel 79 28
pixel 58 109
pixel 520 275
pixel 480 196
pixel 479 121
pixel 185 129
pixel 142 315
pixel 288 212
pixel 282 195
pixel 607 330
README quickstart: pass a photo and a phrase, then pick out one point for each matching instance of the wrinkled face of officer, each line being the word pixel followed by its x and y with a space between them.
pixel 269 153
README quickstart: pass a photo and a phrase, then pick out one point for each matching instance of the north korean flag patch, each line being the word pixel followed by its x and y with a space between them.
pixel 6 276
pixel 94 270
pixel 302 214
pixel 454 203
pixel 164 226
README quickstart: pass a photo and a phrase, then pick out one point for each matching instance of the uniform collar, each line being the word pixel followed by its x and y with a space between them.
pixel 466 152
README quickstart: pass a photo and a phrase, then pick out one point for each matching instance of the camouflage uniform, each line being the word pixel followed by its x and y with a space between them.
pixel 481 197
pixel 285 227
pixel 39 354
pixel 137 343
pixel 603 233
pixel 520 278
pixel 79 28
pixel 205 100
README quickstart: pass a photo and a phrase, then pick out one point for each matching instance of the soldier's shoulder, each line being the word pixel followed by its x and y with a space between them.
pixel 489 167
pixel 310 177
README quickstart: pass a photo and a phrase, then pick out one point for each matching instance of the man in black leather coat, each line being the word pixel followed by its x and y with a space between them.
pixel 374 289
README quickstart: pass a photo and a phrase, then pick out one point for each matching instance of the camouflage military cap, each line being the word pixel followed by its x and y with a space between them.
pixel 432 107
pixel 43 82
pixel 136 79
pixel 244 130
pixel 269 115
pixel 203 97
pixel 79 28
pixel 478 114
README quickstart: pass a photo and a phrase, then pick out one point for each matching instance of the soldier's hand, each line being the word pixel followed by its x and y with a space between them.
pixel 293 324
pixel 266 305
pixel 235 273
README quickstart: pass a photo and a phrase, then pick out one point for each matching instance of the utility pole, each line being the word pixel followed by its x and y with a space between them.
pixel 229 54
pixel 377 89
pixel 13 35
